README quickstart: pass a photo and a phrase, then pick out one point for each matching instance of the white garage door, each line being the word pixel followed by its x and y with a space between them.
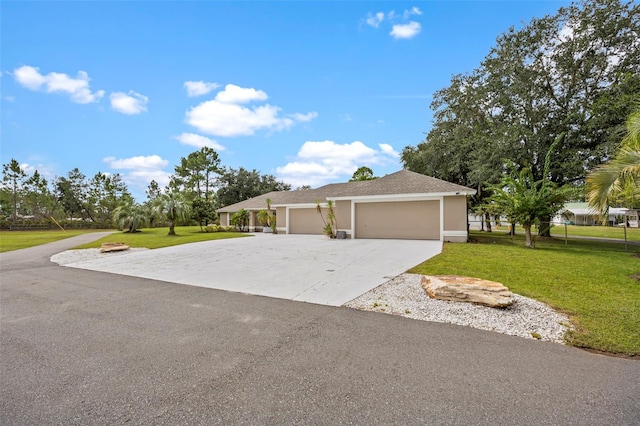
pixel 408 220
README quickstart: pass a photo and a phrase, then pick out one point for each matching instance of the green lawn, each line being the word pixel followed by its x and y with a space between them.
pixel 157 237
pixel 595 283
pixel 15 240
pixel 633 234
pixel 615 232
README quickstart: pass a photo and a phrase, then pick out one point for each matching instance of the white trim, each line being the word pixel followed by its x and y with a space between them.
pixel 442 218
pixel 286 216
pixel 456 234
pixel 353 219
pixel 300 206
pixel 281 229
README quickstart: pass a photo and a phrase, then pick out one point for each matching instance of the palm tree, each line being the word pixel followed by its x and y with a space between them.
pixel 240 219
pixel 526 201
pixel 173 207
pixel 618 181
pixel 130 215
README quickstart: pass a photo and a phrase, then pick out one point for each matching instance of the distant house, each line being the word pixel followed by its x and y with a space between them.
pixel 582 214
pixel 401 205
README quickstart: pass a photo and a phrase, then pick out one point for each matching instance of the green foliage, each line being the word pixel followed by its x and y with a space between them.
pixel 267 217
pixel 173 207
pixel 196 174
pixel 557 74
pixel 240 219
pixel 528 201
pixel 203 211
pixel 129 216
pixel 218 228
pixel 13 177
pixel 330 224
pixel 363 173
pixel 595 283
pixel 617 183
pixel 242 184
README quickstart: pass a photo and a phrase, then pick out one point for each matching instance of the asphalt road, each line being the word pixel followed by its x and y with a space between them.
pixel 85 347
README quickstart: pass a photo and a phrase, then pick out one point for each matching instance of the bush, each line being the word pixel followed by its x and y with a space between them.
pixel 218 228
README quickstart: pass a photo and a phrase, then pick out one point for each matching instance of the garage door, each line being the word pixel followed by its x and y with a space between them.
pixel 409 220
pixel 305 221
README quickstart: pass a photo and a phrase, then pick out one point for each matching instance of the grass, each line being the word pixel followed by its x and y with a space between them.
pixel 595 283
pixel 157 237
pixel 633 234
pixel 613 232
pixel 15 240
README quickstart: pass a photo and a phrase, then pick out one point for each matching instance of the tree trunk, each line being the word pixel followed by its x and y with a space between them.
pixel 527 235
pixel 172 227
pixel 545 227
pixel 15 201
pixel 513 229
pixel 487 219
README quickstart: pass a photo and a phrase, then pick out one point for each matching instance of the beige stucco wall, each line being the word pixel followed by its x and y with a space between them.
pixel 223 219
pixel 281 217
pixel 455 213
pixel 343 214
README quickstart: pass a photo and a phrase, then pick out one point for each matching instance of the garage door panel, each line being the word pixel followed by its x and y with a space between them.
pixel 305 221
pixel 415 220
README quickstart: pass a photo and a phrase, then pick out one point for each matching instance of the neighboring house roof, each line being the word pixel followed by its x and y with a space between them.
pixel 583 209
pixel 398 183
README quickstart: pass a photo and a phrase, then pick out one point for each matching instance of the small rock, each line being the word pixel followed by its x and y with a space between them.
pixel 467 289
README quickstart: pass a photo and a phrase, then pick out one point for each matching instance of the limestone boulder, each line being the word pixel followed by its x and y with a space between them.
pixel 467 289
pixel 109 247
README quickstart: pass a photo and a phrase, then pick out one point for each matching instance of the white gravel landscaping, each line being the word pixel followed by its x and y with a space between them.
pixel 74 256
pixel 405 296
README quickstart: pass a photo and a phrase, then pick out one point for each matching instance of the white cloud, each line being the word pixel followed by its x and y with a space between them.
pixel 388 149
pixel 150 162
pixel 375 20
pixel 54 82
pixel 141 170
pixel 401 29
pixel 199 88
pixel 198 141
pixel 226 116
pixel 233 94
pixel 304 117
pixel 128 103
pixel 405 31
pixel 44 170
pixel 413 11
pixel 319 162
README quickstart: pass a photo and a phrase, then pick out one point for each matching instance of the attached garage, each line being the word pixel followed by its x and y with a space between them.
pixel 305 221
pixel 400 205
pixel 408 220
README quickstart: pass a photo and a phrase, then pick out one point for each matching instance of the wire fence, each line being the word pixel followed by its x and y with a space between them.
pixel 627 233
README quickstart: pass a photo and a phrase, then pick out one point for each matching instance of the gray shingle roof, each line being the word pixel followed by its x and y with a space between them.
pixel 402 182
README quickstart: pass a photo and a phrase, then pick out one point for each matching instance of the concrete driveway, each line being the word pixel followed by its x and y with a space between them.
pixel 306 268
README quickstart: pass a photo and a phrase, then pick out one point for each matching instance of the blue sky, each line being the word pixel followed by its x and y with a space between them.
pixel 307 91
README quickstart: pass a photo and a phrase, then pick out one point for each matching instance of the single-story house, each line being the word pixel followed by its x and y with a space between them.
pixel 401 205
pixel 582 214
